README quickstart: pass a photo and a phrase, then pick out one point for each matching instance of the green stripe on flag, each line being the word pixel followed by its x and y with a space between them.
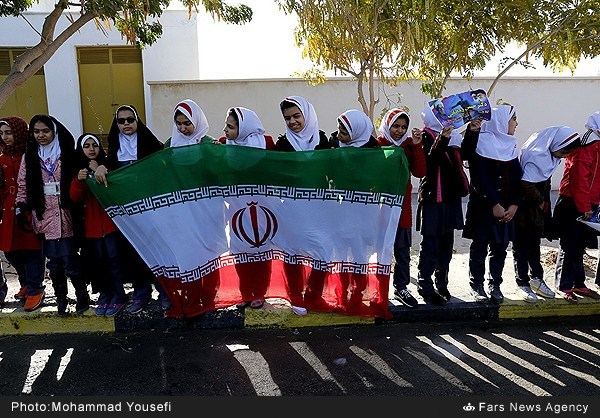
pixel 377 170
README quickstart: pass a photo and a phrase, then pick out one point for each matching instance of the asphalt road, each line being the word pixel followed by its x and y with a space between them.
pixel 512 358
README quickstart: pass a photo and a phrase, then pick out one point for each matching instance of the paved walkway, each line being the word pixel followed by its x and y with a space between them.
pixel 277 313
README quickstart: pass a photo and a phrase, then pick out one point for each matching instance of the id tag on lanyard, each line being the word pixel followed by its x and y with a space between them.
pixel 52 188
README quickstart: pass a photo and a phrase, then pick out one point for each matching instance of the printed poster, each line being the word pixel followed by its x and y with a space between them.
pixel 459 109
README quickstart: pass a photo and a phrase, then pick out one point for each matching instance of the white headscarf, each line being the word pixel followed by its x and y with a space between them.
pixel 250 129
pixel 358 125
pixel 494 141
pixel 593 129
pixel 388 120
pixel 308 138
pixel 127 143
pixel 49 153
pixel 88 136
pixel 193 112
pixel 431 122
pixel 537 160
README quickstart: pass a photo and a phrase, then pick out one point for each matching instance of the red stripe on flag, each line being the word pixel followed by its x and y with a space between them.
pixel 347 293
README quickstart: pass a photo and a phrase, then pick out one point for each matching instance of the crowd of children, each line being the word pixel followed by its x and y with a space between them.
pixel 52 223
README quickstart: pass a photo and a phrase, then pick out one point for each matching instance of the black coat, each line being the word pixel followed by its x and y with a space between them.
pixel 283 144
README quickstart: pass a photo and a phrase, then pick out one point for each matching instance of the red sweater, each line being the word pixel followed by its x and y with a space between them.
pixel 12 238
pixel 417 167
pixel 581 178
pixel 97 222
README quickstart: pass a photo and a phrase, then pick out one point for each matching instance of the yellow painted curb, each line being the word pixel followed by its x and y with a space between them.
pixel 549 307
pixel 17 321
pixel 285 318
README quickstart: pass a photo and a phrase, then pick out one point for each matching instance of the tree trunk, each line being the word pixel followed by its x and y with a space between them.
pixel 30 62
pixel 361 94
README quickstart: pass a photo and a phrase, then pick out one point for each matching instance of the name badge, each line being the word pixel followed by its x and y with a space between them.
pixel 52 188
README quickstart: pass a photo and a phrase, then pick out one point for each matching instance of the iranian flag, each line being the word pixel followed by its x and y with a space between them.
pixel 220 225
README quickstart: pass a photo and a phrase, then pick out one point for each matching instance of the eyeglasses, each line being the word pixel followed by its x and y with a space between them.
pixel 121 121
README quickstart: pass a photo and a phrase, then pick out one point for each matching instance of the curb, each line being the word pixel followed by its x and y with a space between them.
pixel 549 307
pixel 15 321
pixel 46 321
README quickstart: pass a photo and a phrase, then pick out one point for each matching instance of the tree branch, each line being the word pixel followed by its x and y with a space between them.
pixel 29 63
pixel 535 45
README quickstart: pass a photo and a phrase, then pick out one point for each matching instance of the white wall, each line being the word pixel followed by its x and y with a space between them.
pixel 177 45
pixel 539 102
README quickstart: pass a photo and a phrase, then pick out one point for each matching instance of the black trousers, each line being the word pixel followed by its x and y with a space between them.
pixel 478 253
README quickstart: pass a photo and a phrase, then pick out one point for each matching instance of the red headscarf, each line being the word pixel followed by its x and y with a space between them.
pixel 20 129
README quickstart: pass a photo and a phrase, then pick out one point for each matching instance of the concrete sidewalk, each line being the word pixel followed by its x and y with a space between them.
pixel 277 313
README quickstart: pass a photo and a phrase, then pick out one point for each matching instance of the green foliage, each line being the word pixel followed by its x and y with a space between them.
pixel 397 39
pixel 130 17
pixel 14 7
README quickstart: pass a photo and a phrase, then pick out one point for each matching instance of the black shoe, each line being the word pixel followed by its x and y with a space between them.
pixel 62 306
pixel 478 293
pixel 83 304
pixel 406 298
pixel 433 298
pixel 443 292
pixel 496 295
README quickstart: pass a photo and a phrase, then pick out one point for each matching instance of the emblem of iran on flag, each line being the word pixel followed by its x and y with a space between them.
pixel 220 225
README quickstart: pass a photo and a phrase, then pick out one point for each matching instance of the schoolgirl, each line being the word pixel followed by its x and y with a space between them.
pixel 302 133
pixel 189 125
pixel 440 210
pixel 244 128
pixel 301 127
pixel 130 140
pixel 592 134
pixel 355 129
pixel 540 157
pixel 103 239
pixel 578 197
pixel 494 198
pixel 393 131
pixel 22 248
pixel 43 188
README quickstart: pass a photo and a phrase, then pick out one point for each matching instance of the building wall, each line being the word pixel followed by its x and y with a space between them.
pixel 539 102
pixel 61 71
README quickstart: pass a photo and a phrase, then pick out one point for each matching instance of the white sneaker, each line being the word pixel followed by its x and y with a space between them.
pixel 540 288
pixel 526 294
pixel 298 310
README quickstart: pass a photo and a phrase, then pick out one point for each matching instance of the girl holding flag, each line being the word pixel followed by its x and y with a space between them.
pixel 130 140
pixel 244 128
pixel 104 240
pixel 189 125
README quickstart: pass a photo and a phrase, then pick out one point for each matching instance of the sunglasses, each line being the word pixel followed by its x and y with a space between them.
pixel 121 121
